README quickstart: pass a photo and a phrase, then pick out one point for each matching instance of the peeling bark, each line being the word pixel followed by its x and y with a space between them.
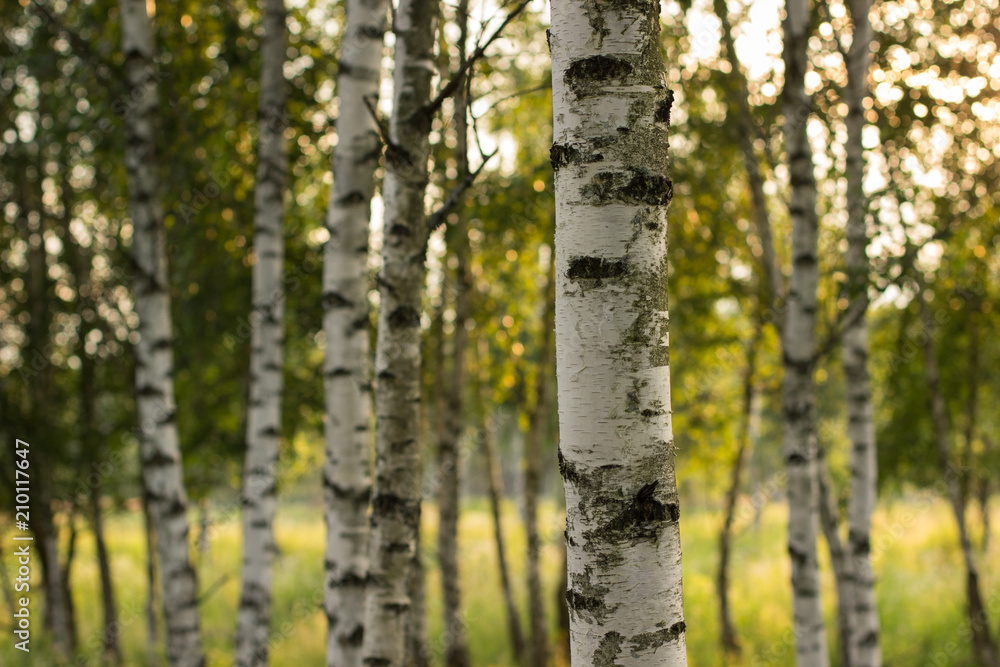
pixel 162 468
pixel 611 112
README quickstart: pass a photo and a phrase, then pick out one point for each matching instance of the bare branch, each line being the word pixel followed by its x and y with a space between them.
pixel 436 219
pixel 456 80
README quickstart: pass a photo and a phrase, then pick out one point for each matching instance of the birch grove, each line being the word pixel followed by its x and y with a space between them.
pixel 346 370
pixel 611 110
pixel 162 472
pixel 799 349
pixel 814 187
pixel 266 349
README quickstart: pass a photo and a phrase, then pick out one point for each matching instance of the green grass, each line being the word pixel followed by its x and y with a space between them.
pixel 920 587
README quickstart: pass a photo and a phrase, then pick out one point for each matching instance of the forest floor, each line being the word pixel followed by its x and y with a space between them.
pixel 920 586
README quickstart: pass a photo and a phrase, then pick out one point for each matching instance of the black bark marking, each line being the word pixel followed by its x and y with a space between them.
pixel 404 317
pixel 584 596
pixel 356 638
pixel 595 268
pixel 635 185
pixel 336 300
pixel 652 640
pixel 583 73
pixel 642 518
pixel 387 504
pixel 563 154
pixel 609 649
pixel 662 114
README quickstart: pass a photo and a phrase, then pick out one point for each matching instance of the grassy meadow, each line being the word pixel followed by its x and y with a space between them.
pixel 920 587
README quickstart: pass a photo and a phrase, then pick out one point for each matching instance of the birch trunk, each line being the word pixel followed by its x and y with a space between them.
pixel 456 649
pixel 396 497
pixel 538 420
pixel 495 484
pixel 160 450
pixel 799 348
pixel 611 113
pixel 984 647
pixel 347 370
pixel 865 647
pixel 267 335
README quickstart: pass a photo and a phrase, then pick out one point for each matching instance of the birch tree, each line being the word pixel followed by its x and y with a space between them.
pixel 611 113
pixel 266 348
pixel 456 648
pixel 864 649
pixel 798 392
pixel 159 443
pixel 346 371
pixel 396 495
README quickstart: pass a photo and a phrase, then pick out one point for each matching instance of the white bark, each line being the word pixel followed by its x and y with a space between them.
pixel 799 348
pixel 611 114
pixel 160 449
pixel 346 372
pixel 865 648
pixel 266 348
pixel 396 496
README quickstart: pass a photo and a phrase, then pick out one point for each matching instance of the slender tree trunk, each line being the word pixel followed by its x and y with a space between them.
pixel 748 131
pixel 110 640
pixel 730 643
pixel 347 370
pixel 829 518
pixel 538 421
pixel 865 647
pixel 162 467
pixel 65 579
pixel 456 649
pixel 495 484
pixel 396 496
pixel 266 349
pixel 983 644
pixel 55 617
pixel 611 115
pixel 111 646
pixel 984 491
pixel 798 400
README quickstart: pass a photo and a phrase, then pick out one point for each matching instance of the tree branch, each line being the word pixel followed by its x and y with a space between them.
pixel 449 89
pixel 436 219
